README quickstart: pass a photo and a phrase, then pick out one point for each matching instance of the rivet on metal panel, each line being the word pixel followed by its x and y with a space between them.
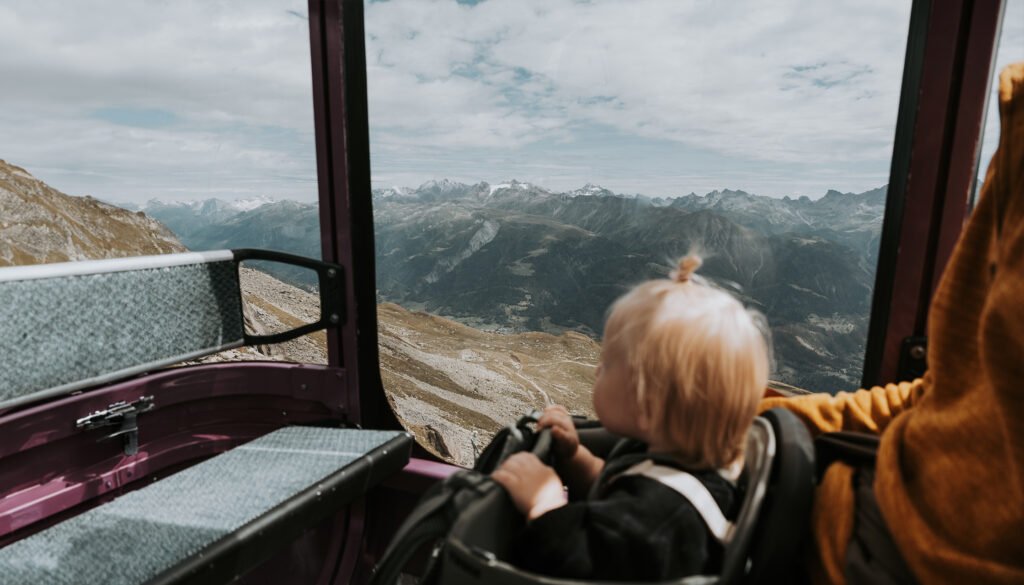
pixel 918 352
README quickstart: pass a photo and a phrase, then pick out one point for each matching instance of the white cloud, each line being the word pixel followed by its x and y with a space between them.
pixel 791 82
pixel 657 96
pixel 234 77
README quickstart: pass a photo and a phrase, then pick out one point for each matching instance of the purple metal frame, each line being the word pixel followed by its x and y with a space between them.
pixel 337 146
pixel 967 123
pixel 939 135
pixel 346 213
pixel 420 474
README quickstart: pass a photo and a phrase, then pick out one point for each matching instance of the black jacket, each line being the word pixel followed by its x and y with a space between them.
pixel 630 528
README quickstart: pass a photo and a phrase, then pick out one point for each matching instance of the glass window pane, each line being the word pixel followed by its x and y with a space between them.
pixel 533 159
pixel 1010 49
pixel 133 128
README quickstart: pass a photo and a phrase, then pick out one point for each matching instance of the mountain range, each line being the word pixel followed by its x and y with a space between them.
pixel 515 257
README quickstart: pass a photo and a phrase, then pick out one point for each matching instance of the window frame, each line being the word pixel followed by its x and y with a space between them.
pixel 947 69
pixel 341 121
pixel 948 65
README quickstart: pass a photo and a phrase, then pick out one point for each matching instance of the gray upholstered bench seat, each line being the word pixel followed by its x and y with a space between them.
pixel 216 519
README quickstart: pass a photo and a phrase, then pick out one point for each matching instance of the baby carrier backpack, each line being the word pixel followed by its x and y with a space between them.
pixel 425 529
pixel 472 530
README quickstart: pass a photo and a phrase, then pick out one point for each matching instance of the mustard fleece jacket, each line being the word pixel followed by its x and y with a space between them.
pixel 950 472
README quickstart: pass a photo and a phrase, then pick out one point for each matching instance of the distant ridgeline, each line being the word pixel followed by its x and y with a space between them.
pixel 516 257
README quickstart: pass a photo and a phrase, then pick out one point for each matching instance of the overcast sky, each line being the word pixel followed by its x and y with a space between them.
pixel 135 99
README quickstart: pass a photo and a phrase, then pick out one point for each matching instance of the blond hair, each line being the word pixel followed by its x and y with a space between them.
pixel 698 360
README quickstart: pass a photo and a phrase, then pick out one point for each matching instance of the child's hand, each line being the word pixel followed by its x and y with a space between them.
pixel 534 487
pixel 563 431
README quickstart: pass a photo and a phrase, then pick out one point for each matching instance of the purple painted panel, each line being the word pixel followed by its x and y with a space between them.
pixel 420 474
pixel 388 505
pixel 48 467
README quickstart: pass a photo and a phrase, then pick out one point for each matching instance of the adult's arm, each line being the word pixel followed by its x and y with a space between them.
pixel 869 410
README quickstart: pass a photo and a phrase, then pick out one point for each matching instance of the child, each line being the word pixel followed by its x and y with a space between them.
pixel 682 369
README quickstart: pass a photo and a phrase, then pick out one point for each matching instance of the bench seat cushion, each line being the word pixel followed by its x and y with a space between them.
pixel 156 533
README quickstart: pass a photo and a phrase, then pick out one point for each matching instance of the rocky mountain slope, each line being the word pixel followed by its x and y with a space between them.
pixel 454 386
pixel 40 224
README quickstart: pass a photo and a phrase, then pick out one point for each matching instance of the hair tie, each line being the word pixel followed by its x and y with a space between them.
pixel 685 269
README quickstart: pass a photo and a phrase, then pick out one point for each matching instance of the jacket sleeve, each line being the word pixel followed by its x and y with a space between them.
pixel 618 539
pixel 867 410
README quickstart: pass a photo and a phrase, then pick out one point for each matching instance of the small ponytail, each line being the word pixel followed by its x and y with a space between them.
pixel 685 269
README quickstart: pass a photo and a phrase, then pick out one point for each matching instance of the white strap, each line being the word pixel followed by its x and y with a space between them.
pixel 690 488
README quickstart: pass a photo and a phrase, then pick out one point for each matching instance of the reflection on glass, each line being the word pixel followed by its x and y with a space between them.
pixel 532 159
pixel 272 303
pixel 1010 49
pixel 188 124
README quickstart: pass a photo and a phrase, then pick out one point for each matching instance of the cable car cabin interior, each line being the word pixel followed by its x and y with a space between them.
pixel 336 254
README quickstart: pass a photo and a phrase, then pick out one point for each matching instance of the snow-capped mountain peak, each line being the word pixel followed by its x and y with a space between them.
pixel 211 205
pixel 250 203
pixel 591 190
pixel 513 184
pixel 442 186
pixel 394 191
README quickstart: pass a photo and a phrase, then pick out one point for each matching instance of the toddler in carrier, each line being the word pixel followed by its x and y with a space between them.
pixel 683 366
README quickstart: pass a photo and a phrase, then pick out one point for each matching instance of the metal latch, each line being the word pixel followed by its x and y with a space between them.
pixel 124 415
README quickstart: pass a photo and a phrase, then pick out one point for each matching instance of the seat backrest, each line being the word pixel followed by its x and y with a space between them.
pixel 780 532
pixel 759 455
pixel 71 325
pixel 778 482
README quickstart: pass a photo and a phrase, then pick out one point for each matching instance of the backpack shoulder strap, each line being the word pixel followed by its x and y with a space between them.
pixel 853 448
pixel 690 488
